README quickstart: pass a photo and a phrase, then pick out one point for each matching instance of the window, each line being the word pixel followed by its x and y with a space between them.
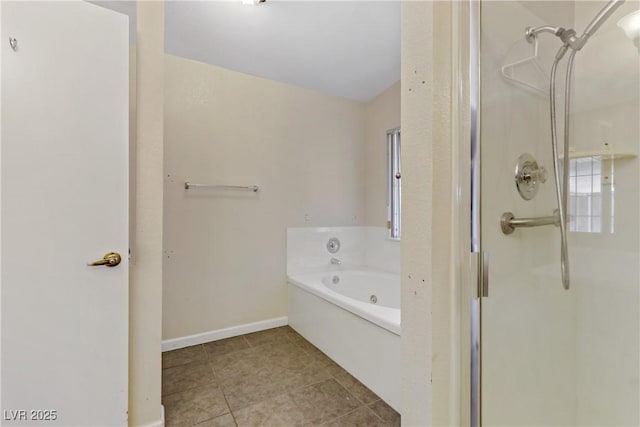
pixel 585 195
pixel 394 189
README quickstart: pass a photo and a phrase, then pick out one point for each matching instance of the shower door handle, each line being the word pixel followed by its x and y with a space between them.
pixel 483 275
pixel 480 265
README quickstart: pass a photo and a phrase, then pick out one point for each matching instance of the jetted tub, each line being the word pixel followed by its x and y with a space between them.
pixel 353 316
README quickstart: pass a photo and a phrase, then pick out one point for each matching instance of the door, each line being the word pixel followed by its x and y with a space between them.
pixel 550 355
pixel 64 198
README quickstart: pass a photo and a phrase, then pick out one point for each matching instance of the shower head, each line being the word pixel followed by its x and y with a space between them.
pixel 531 33
pixel 569 37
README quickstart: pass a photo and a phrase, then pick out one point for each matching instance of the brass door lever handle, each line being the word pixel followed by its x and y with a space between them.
pixel 110 260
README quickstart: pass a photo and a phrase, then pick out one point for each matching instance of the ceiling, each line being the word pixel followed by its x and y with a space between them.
pixel 349 49
pixel 352 48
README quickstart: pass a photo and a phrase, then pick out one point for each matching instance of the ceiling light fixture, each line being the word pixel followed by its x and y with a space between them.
pixel 252 2
pixel 631 26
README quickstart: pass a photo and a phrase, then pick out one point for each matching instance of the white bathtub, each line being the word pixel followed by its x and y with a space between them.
pixel 334 310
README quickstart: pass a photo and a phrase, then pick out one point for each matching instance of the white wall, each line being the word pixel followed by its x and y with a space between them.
pixel 225 260
pixel 607 67
pixel 606 275
pixel 381 114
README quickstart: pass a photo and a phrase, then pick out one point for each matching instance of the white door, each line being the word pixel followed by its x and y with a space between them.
pixel 64 203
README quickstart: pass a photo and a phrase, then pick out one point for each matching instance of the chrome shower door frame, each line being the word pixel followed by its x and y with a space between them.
pixel 471 263
pixel 477 256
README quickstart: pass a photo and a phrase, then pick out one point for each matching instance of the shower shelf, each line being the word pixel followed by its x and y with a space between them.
pixel 612 155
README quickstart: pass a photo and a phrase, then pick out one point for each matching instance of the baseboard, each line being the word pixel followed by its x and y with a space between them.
pixel 157 423
pixel 218 334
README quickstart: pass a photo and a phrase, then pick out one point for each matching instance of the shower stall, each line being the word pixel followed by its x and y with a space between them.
pixel 554 227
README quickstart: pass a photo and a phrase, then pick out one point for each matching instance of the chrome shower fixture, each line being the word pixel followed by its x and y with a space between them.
pixel 559 217
pixel 565 35
pixel 568 37
pixel 528 176
pixel 531 33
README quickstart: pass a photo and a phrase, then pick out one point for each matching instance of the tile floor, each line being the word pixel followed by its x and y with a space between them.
pixel 268 378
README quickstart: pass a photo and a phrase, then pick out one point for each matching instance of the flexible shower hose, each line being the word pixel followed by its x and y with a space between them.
pixel 562 187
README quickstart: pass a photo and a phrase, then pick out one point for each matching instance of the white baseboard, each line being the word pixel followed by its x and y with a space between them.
pixel 157 423
pixel 218 334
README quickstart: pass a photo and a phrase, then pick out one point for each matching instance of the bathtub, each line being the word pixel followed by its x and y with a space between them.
pixel 352 315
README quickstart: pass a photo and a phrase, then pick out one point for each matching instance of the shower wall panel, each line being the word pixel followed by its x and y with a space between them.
pixel 605 118
pixel 528 319
pixel 552 356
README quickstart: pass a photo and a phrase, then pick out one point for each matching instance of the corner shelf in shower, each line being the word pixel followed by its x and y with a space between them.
pixel 609 155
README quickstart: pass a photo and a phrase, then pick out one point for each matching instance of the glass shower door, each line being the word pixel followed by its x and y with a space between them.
pixel 552 356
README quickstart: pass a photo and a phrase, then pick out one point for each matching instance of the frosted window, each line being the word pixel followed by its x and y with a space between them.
pixel 394 183
pixel 585 195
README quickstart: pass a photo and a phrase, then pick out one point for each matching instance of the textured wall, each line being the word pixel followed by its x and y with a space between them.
pixel 146 261
pixel 225 262
pixel 426 252
pixel 417 215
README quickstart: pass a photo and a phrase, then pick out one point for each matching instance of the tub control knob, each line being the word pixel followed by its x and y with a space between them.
pixel 333 245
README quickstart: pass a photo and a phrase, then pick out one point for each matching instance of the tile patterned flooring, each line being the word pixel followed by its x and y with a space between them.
pixel 268 378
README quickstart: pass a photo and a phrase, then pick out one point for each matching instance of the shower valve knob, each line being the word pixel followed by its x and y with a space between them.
pixel 528 175
pixel 531 176
pixel 539 174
